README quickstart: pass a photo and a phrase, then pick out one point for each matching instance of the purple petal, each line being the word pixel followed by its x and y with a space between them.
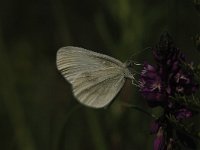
pixel 159 142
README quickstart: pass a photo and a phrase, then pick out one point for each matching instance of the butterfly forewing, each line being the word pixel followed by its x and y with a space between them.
pixel 96 78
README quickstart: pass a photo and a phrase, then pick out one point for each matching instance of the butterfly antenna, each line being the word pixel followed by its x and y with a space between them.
pixel 137 53
pixel 135 63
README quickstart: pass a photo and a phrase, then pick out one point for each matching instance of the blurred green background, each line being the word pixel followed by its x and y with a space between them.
pixel 37 108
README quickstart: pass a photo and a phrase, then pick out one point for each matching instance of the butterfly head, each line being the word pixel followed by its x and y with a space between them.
pixel 130 70
pixel 130 64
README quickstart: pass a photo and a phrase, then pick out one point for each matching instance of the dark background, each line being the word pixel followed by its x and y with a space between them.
pixel 37 108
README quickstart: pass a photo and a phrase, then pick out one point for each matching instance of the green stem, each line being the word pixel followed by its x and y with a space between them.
pixel 140 109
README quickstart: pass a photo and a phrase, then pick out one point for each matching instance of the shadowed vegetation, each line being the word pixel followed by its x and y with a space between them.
pixel 37 108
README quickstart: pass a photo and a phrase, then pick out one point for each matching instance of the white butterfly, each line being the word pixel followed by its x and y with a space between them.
pixel 95 78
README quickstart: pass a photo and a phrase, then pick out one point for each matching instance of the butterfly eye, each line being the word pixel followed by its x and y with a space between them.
pixel 129 64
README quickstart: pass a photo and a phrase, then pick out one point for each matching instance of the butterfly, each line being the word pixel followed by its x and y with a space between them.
pixel 96 78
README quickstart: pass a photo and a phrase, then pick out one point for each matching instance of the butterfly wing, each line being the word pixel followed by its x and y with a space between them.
pixel 96 78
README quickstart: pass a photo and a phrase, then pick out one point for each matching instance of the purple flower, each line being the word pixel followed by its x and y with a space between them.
pixel 151 86
pixel 168 77
pixel 171 144
pixel 183 114
pixel 154 126
pixel 182 82
pixel 170 63
pixel 172 75
pixel 159 141
pixel 165 53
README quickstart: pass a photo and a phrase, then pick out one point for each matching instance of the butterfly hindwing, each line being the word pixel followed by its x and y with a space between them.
pixel 95 90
